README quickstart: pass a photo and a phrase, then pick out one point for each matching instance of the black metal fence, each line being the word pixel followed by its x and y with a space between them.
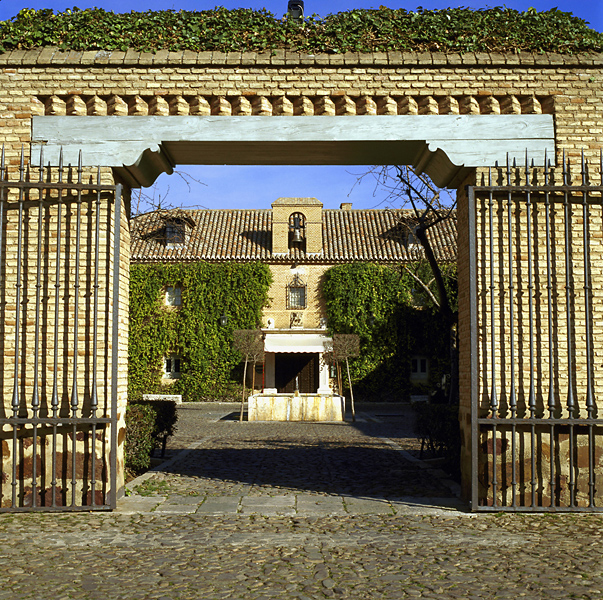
pixel 59 255
pixel 537 338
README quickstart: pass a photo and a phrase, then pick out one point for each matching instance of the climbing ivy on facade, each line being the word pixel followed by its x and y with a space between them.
pixel 192 331
pixel 394 319
pixel 382 304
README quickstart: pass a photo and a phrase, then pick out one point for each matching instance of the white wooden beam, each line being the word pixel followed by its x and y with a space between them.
pixel 443 146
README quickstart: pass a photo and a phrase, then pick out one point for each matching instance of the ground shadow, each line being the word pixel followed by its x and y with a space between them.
pixel 287 458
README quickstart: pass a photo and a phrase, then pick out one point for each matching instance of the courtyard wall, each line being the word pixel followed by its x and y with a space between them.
pixel 51 82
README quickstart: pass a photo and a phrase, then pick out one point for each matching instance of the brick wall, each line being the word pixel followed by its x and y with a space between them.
pixel 50 82
pixel 282 274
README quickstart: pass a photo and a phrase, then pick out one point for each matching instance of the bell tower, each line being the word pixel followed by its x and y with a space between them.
pixel 296 223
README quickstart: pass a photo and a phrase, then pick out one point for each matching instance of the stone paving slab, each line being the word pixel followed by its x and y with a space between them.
pixel 367 506
pixel 220 505
pixel 309 505
pixel 306 505
pixel 177 508
pixel 269 506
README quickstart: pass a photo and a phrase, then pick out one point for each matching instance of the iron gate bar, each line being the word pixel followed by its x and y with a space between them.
pixel 569 292
pixel 15 400
pixel 551 402
pixel 493 395
pixel 57 285
pixel 543 189
pixel 36 196
pixel 55 420
pixel 590 429
pixel 35 401
pixel 512 394
pixel 536 421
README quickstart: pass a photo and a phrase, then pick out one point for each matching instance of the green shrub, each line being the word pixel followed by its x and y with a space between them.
pixel 140 425
pixel 166 417
pixel 148 425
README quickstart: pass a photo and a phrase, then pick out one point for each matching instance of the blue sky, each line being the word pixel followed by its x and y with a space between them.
pixel 258 187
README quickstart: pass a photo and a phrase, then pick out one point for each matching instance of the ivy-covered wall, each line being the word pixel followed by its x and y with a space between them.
pixel 382 304
pixel 394 319
pixel 461 30
pixel 193 330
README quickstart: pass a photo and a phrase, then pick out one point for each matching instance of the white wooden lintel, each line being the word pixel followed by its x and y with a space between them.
pixel 446 147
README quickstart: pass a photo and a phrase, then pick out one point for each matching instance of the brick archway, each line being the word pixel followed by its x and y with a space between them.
pixel 80 87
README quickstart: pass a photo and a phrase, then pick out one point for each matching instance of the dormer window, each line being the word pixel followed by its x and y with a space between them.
pixel 175 233
pixel 297 230
pixel 411 239
pixel 296 294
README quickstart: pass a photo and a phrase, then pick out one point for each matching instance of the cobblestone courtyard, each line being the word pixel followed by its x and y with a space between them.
pixel 302 511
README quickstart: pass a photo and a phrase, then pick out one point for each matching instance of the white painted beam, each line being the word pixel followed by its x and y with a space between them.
pixel 443 146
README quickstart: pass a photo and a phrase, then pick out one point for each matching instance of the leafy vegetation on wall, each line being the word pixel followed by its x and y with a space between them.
pixel 193 330
pixel 448 30
pixel 394 320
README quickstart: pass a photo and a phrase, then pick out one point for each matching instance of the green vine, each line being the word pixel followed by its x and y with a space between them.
pixel 448 30
pixel 193 330
pixel 394 319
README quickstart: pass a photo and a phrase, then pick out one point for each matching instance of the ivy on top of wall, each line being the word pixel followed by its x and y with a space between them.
pixel 193 330
pixel 393 319
pixel 449 30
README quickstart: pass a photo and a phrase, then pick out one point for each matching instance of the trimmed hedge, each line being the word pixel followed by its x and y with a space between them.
pixel 148 425
pixel 140 424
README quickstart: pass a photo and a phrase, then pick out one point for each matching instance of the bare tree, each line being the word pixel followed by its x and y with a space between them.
pixel 343 347
pixel 250 344
pixel 149 199
pixel 430 206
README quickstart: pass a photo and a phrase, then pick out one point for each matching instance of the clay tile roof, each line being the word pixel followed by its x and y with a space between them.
pixel 246 235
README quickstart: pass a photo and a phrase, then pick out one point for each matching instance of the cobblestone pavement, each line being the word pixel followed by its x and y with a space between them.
pixel 298 511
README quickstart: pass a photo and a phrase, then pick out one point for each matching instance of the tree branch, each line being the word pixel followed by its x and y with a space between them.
pixel 423 285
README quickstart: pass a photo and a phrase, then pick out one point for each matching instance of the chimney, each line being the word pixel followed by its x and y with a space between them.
pixel 295 8
pixel 345 206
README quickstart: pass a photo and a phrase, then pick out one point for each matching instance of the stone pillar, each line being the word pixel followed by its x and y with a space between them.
pixel 269 381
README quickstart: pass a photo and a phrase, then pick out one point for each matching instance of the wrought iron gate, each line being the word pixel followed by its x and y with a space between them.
pixel 537 339
pixel 59 243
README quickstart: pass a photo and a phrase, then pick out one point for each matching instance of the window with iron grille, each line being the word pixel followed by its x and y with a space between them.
pixel 296 294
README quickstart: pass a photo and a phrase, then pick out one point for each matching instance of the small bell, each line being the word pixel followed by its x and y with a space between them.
pixel 297 235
